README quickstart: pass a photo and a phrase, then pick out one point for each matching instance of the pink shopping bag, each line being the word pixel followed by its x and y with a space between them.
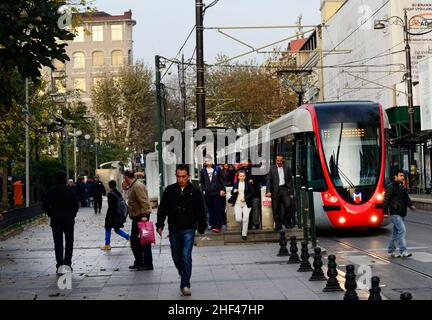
pixel 146 232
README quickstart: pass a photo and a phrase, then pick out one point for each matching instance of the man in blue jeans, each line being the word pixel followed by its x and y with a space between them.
pixel 396 202
pixel 183 204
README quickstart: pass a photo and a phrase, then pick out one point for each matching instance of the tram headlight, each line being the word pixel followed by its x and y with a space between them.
pixel 342 220
pixel 330 198
pixel 374 219
pixel 380 197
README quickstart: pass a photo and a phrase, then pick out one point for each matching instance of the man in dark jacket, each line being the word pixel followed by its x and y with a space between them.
pixel 61 205
pixel 97 191
pixel 279 187
pixel 81 191
pixel 396 202
pixel 184 207
pixel 213 188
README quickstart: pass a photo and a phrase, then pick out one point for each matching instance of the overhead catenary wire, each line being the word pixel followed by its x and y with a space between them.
pixel 178 53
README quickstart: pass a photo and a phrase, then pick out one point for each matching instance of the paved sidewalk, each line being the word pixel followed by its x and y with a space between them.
pixel 238 272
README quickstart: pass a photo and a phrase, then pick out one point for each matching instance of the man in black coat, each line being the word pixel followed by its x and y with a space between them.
pixel 183 204
pixel 97 191
pixel 61 205
pixel 396 201
pixel 278 187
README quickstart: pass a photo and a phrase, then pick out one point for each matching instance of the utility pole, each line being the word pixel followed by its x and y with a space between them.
pixel 159 126
pixel 183 92
pixel 200 89
pixel 66 150
pixel 27 144
pixel 75 155
pixel 409 74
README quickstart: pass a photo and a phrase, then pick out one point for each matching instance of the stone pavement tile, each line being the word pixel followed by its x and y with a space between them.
pixel 111 293
pixel 294 289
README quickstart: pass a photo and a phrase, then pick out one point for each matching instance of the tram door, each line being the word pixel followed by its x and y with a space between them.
pixel 307 164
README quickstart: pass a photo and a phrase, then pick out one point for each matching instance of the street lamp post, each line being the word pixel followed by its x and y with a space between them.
pixel 76 134
pixel 87 137
pixel 96 142
pixel 406 24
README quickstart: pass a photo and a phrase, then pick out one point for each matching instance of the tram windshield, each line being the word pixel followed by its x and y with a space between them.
pixel 351 141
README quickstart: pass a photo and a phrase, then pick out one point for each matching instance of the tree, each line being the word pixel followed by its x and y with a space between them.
pixel 246 97
pixel 127 106
pixel 30 38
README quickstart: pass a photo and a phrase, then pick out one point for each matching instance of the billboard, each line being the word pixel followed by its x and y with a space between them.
pixel 361 63
pixel 425 74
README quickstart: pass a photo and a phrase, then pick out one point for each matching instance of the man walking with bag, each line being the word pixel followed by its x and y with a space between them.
pixel 396 202
pixel 139 210
pixel 183 204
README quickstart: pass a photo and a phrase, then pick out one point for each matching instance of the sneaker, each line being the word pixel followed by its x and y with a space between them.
pixel 406 254
pixel 244 238
pixel 217 230
pixel 278 228
pixel 394 255
pixel 186 291
pixel 106 247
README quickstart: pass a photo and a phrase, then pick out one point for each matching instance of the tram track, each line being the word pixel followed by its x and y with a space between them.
pixel 376 256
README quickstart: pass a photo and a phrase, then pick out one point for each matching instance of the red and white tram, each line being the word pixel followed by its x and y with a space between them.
pixel 338 149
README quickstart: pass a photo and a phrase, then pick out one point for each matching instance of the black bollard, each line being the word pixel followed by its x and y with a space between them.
pixel 375 291
pixel 294 258
pixel 283 251
pixel 305 265
pixel 350 284
pixel 332 273
pixel 317 274
pixel 406 296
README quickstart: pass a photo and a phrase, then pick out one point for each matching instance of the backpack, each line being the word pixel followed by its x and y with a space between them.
pixel 122 209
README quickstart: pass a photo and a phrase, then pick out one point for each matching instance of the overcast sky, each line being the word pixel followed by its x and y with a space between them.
pixel 163 26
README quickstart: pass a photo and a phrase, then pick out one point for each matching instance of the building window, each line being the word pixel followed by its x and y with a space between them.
pixel 130 62
pixel 60 85
pixel 79 84
pixel 117 58
pixel 97 33
pixel 116 32
pixel 98 59
pixel 79 34
pixel 78 60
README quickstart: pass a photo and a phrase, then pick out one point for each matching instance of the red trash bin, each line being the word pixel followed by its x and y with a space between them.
pixel 18 192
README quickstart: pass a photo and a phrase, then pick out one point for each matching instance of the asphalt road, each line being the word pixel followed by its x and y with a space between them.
pixel 369 249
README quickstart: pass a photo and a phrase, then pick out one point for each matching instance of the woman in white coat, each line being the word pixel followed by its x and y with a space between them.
pixel 241 199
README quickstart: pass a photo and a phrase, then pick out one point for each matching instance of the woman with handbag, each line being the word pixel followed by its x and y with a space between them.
pixel 241 199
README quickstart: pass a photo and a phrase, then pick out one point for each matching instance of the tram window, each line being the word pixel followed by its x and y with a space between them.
pixel 315 173
pixel 308 164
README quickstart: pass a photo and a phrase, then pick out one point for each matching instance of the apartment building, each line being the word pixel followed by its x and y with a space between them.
pixel 103 43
